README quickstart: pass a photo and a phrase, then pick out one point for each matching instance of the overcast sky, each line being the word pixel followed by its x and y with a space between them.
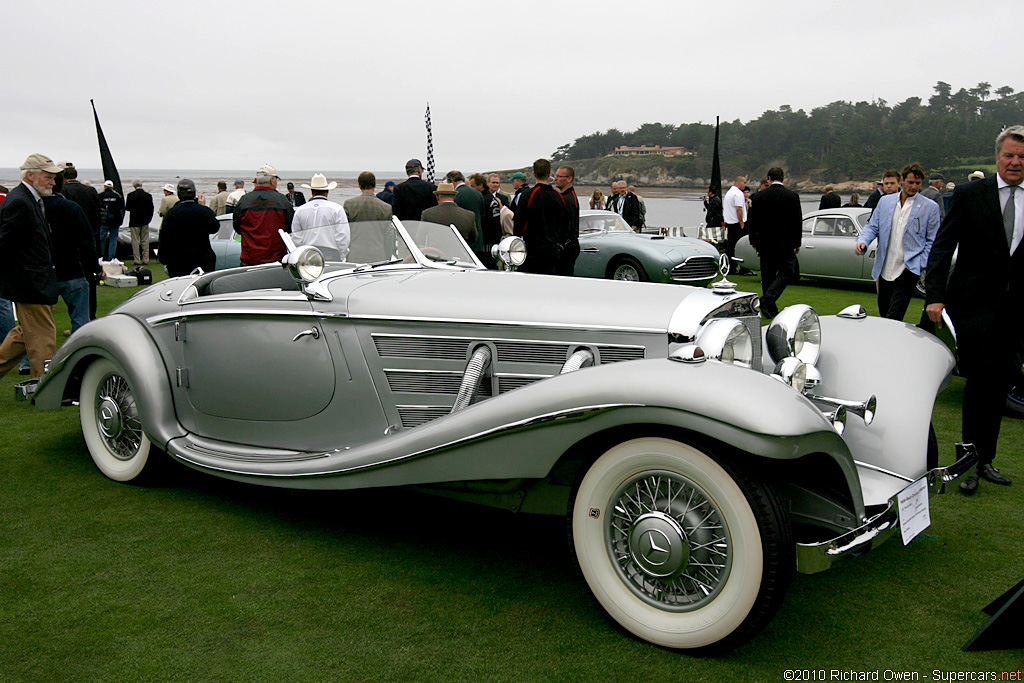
pixel 343 86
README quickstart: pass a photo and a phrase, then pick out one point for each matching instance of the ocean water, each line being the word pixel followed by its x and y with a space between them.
pixel 666 207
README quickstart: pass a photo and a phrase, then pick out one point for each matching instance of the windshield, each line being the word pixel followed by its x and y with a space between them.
pixel 377 242
pixel 609 222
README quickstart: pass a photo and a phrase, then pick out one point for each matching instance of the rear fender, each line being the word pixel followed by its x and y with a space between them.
pixel 125 342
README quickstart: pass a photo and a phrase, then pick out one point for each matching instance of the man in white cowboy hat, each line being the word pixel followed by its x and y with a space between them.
pixel 321 222
pixel 170 198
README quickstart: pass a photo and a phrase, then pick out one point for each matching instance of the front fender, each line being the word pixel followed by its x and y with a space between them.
pixel 125 342
pixel 905 368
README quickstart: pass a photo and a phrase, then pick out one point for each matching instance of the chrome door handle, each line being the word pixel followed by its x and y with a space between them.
pixel 809 246
pixel 312 332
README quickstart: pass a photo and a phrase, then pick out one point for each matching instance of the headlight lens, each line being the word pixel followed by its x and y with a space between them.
pixel 511 251
pixel 796 332
pixel 727 340
pixel 793 372
pixel 305 263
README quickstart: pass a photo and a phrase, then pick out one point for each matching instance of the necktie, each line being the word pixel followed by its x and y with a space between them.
pixel 42 211
pixel 1010 215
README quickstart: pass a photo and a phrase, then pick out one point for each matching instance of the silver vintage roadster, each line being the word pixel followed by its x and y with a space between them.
pixel 700 459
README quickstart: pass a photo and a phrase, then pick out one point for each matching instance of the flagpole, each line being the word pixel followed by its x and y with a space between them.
pixel 106 158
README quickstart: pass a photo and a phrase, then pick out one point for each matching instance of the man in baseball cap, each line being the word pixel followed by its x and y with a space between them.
pixel 26 267
pixel 259 215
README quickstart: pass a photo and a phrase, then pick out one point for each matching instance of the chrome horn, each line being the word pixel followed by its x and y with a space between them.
pixel 837 417
pixel 864 409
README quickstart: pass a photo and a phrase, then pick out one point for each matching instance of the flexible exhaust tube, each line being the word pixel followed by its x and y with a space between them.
pixel 478 364
pixel 581 358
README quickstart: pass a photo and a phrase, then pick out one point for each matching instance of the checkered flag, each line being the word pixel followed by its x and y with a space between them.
pixel 430 147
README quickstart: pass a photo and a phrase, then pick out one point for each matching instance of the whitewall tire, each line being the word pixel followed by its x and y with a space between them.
pixel 677 549
pixel 111 423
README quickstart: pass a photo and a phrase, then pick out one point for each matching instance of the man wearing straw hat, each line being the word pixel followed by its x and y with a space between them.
pixel 321 222
pixel 170 198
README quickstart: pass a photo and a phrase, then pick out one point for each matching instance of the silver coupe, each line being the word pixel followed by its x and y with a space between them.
pixel 700 459
pixel 610 249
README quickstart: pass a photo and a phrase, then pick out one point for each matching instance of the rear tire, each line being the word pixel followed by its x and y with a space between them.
pixel 679 549
pixel 112 424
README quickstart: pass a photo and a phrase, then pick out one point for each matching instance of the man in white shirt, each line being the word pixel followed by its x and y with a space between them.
pixel 232 201
pixel 321 222
pixel 734 208
pixel 905 224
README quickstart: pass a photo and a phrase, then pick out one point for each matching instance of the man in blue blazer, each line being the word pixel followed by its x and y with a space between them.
pixel 905 225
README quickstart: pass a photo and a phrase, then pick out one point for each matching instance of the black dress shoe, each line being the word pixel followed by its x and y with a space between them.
pixel 969 485
pixel 989 473
pixel 24 371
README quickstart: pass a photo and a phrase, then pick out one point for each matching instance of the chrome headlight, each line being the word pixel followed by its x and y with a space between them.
pixel 511 251
pixel 793 372
pixel 796 332
pixel 305 263
pixel 727 340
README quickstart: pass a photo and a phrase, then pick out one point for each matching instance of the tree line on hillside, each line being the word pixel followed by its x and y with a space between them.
pixel 841 140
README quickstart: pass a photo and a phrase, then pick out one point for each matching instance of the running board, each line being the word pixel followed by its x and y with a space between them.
pixel 196 449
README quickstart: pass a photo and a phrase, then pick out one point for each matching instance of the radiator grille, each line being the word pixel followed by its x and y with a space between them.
pixel 615 354
pixel 410 382
pixel 695 268
pixel 531 352
pixel 414 416
pixel 508 383
pixel 421 347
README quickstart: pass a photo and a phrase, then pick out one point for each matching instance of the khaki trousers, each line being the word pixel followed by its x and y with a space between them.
pixel 140 243
pixel 35 335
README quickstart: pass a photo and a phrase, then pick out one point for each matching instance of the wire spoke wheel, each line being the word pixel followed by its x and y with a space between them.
pixel 112 422
pixel 668 541
pixel 679 548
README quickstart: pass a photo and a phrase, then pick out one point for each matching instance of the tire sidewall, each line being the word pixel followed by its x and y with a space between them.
pixel 110 466
pixel 633 266
pixel 700 627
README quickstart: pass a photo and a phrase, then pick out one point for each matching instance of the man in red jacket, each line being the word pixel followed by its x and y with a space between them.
pixel 259 215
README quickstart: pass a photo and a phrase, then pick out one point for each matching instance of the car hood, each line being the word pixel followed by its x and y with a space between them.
pixel 511 298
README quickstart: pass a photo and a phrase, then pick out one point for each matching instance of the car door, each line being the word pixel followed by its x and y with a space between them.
pixel 252 358
pixel 830 249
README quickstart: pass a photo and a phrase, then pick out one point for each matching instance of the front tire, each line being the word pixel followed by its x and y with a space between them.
pixel 111 422
pixel 629 269
pixel 679 550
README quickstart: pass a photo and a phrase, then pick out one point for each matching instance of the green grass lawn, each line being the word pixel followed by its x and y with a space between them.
pixel 202 579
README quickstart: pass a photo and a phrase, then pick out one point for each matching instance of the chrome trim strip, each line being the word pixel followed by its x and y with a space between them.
pixel 816 557
pixel 587 411
pixel 876 468
pixel 511 323
pixel 166 317
pixel 404 335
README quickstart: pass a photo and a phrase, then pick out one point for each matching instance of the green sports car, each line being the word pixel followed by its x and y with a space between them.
pixel 610 249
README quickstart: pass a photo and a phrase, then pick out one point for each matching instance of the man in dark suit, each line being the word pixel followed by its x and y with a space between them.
pixel 470 199
pixel 88 198
pixel 774 223
pixel 26 267
pixel 414 195
pixel 540 221
pixel 570 239
pixel 494 185
pixel 829 200
pixel 447 212
pixel 986 222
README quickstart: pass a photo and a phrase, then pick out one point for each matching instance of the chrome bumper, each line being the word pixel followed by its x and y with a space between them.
pixel 816 557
